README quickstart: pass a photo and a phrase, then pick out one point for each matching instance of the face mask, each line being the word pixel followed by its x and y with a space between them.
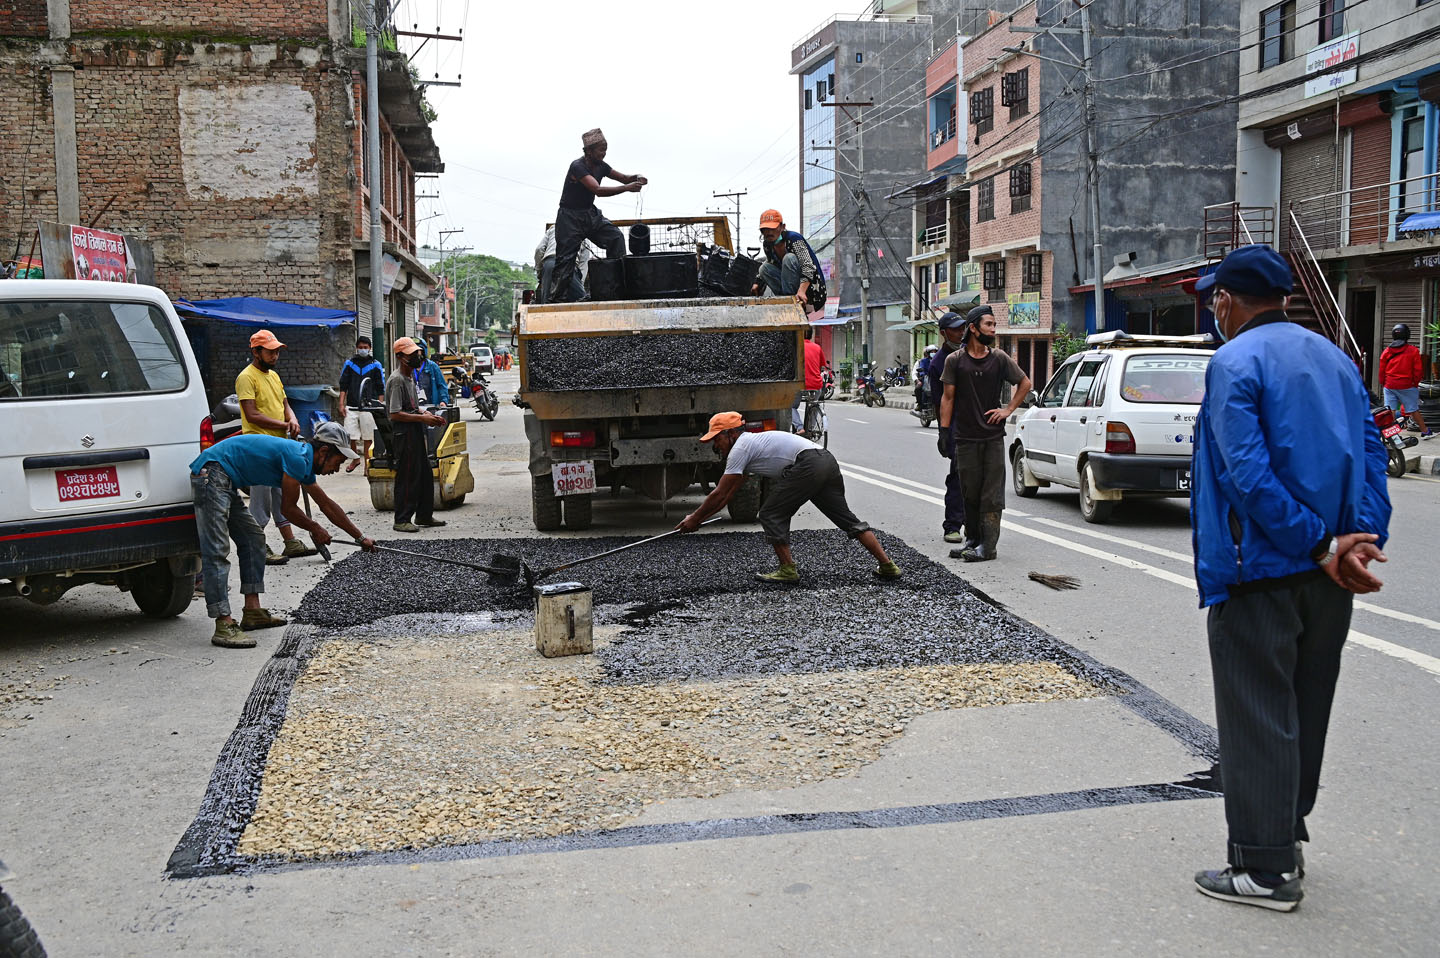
pixel 363 352
pixel 1219 323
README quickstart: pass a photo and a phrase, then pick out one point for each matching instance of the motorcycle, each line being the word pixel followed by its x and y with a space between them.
pixel 1392 433
pixel 486 402
pixel 871 392
pixel 827 382
pixel 896 375
pixel 17 937
pixel 924 405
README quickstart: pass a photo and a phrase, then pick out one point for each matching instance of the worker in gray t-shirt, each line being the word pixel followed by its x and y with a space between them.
pixel 800 471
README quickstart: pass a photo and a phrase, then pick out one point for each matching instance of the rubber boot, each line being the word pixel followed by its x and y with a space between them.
pixel 989 531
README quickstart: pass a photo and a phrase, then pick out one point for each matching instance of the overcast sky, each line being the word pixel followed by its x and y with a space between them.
pixel 697 97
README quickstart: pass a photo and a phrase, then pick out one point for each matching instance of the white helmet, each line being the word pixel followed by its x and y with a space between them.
pixel 932 348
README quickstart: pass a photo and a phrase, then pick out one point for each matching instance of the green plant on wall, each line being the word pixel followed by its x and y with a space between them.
pixel 1066 344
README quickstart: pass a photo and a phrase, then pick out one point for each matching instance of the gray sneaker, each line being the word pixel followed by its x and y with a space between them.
pixel 1235 884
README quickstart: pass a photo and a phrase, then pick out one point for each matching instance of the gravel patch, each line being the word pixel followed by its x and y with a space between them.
pixel 420 740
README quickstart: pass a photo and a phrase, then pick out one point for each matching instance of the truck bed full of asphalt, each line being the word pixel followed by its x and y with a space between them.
pixel 646 360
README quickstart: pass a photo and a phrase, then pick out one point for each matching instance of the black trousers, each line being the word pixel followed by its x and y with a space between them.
pixel 815 477
pixel 414 484
pixel 980 469
pixel 573 227
pixel 1275 656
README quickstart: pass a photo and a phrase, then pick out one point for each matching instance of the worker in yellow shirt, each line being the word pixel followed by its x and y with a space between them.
pixel 265 410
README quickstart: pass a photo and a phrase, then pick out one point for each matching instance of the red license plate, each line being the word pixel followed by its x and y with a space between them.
pixel 1389 431
pixel 100 482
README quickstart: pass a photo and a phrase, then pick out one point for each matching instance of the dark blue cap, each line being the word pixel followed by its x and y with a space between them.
pixel 951 321
pixel 1254 270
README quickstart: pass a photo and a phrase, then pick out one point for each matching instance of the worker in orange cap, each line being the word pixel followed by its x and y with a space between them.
pixel 791 267
pixel 414 496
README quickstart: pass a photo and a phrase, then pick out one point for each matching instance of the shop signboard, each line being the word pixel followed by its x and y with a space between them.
pixel 1023 309
pixel 1327 56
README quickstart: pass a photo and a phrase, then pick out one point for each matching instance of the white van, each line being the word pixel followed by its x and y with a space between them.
pixel 101 403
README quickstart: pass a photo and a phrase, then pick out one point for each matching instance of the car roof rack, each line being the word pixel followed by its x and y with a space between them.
pixel 1119 339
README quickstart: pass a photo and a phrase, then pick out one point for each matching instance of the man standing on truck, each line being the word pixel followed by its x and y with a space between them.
pixel 801 472
pixel 972 428
pixel 545 268
pixel 359 369
pixel 414 495
pixel 791 267
pixel 578 220
pixel 265 411
pixel 258 460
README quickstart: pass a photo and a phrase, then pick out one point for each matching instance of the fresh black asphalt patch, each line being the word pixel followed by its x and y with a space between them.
pixel 695 611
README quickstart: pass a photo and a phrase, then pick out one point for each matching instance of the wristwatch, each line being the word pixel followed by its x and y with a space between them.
pixel 1324 553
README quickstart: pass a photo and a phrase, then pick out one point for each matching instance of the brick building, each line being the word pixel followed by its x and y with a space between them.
pixel 227 135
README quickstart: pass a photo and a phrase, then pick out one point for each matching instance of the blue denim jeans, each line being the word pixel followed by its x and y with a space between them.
pixel 782 281
pixel 265 503
pixel 220 515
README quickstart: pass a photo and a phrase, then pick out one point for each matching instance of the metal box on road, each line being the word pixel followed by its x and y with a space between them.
pixel 563 621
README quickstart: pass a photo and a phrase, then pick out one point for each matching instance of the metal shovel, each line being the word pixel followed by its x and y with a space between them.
pixel 533 576
pixel 501 565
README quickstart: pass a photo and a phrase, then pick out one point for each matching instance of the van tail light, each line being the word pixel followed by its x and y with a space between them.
pixel 207 433
pixel 576 438
pixel 1118 438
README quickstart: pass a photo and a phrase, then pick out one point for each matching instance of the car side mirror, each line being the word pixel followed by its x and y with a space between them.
pixel 1033 399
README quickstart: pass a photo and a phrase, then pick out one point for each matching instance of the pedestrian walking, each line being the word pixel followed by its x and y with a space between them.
pixel 578 220
pixel 358 370
pixel 1288 506
pixel 972 428
pixel 265 411
pixel 414 493
pixel 217 475
pixel 952 331
pixel 800 471
pixel 1400 372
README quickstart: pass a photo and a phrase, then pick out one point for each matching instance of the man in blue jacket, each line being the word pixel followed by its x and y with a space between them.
pixel 1288 508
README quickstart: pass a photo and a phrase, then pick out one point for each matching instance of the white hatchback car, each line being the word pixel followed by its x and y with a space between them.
pixel 102 405
pixel 1116 421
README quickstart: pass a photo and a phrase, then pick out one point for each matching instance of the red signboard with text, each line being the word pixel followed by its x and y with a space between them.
pixel 98 255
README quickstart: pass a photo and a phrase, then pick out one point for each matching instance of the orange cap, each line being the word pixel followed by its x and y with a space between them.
pixel 722 421
pixel 771 219
pixel 265 340
pixel 406 345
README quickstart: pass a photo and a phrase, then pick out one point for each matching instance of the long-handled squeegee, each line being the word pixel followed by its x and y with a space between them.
pixel 501 565
pixel 533 576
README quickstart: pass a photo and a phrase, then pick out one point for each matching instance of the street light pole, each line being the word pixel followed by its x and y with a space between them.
pixel 1094 163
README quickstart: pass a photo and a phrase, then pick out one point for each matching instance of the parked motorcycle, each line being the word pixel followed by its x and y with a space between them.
pixel 827 381
pixel 896 375
pixel 17 937
pixel 486 402
pixel 1392 433
pixel 871 392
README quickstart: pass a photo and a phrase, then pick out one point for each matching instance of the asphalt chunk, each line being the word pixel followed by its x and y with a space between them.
pixel 654 359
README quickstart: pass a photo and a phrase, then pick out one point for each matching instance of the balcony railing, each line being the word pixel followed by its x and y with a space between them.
pixel 1365 215
pixel 866 15
pixel 1228 225
pixel 943 134
pixel 934 236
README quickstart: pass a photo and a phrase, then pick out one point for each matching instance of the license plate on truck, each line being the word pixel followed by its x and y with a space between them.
pixel 98 482
pixel 574 478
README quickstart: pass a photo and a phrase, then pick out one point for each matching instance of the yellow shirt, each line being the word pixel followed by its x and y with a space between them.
pixel 269 396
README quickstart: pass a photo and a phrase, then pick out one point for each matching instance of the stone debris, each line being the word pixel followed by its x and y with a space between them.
pixel 417 741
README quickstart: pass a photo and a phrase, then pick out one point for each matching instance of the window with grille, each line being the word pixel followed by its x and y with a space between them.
pixel 1015 92
pixel 1033 271
pixel 985 200
pixel 1020 188
pixel 982 110
pixel 993 275
pixel 1276 25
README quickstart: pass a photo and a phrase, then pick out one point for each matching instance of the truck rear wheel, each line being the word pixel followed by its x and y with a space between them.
pixel 578 511
pixel 544 504
pixel 160 593
pixel 745 504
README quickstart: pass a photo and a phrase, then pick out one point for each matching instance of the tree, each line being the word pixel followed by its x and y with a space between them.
pixel 491 339
pixel 484 287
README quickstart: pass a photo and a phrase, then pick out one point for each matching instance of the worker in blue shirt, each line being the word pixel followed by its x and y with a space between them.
pixel 430 379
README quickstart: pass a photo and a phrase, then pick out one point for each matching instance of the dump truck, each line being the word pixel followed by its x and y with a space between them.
pixel 616 394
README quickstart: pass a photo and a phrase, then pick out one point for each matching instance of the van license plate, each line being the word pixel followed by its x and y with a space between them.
pixel 101 482
pixel 573 478
pixel 1182 479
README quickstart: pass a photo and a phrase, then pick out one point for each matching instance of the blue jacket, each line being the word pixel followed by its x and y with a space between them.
pixel 936 370
pixel 431 381
pixel 1286 453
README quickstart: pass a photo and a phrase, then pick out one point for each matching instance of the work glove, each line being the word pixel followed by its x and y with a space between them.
pixel 945 443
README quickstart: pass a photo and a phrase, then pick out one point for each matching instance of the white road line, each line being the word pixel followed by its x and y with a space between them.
pixel 1427 662
pixel 1118 540
pixel 863 422
pixel 933 490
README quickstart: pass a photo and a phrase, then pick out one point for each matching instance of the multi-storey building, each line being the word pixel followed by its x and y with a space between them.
pixel 1339 108
pixel 240 162
pixel 1164 76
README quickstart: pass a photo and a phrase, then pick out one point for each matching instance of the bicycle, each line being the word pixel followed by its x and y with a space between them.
pixel 815 421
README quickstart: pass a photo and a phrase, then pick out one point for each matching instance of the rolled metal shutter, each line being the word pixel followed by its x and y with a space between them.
pixel 1307 169
pixel 1402 305
pixel 1369 174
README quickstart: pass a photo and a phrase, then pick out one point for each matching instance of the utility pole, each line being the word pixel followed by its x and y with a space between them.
pixel 862 202
pixel 1086 31
pixel 374 22
pixel 733 197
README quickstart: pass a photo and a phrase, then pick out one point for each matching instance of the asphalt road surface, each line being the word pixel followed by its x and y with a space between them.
pixel 110 725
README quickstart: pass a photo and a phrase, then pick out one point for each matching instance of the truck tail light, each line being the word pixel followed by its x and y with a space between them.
pixel 1118 438
pixel 207 433
pixel 578 438
pixel 764 425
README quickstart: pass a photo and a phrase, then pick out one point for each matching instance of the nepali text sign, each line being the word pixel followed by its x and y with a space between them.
pixel 1023 309
pixel 1327 56
pixel 98 255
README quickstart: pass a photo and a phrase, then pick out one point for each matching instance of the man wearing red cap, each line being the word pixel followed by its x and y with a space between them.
pixel 791 267
pixel 800 472
pixel 264 410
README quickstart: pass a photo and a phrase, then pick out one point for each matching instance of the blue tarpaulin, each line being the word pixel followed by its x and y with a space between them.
pixel 254 311
pixel 1419 223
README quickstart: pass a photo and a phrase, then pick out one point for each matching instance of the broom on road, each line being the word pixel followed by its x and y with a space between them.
pixel 1060 583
